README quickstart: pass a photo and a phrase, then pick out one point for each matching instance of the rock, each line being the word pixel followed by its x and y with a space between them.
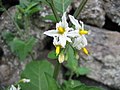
pixel 112 9
pixel 10 66
pixel 104 58
pixel 93 12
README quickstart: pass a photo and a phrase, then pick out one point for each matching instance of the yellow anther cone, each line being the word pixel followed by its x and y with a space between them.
pixel 85 51
pixel 82 32
pixel 61 30
pixel 58 49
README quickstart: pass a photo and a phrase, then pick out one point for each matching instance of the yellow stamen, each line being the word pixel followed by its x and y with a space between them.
pixel 58 49
pixel 82 32
pixel 85 51
pixel 61 30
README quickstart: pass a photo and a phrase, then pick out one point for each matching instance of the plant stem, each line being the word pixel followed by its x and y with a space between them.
pixel 79 9
pixel 54 10
pixel 56 70
pixel 71 74
pixel 10 16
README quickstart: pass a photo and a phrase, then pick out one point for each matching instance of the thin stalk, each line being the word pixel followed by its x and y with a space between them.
pixel 56 70
pixel 54 10
pixel 10 16
pixel 79 9
pixel 71 74
pixel 26 24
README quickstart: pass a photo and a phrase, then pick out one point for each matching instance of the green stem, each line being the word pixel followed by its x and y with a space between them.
pixel 79 9
pixel 71 74
pixel 27 19
pixel 56 70
pixel 54 10
pixel 10 16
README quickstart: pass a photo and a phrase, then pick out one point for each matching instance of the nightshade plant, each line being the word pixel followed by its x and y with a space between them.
pixel 68 39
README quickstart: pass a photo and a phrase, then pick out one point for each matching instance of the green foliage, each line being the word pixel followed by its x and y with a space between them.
pixel 77 85
pixel 72 62
pixel 51 82
pixel 61 5
pixel 25 9
pixel 8 36
pixel 85 87
pixel 29 9
pixel 21 48
pixel 40 74
pixel 71 84
pixel 50 17
pixel 82 71
pixel 52 55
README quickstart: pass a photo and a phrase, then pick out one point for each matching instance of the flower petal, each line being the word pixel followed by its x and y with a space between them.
pixel 51 33
pixel 75 22
pixel 64 20
pixel 74 33
pixel 63 40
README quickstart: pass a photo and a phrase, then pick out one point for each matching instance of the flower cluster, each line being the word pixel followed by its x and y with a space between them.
pixel 63 34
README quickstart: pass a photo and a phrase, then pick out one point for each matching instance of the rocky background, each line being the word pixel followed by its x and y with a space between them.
pixel 102 17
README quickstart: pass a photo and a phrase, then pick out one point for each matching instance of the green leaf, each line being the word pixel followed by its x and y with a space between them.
pixel 82 71
pixel 35 71
pixel 72 62
pixel 61 5
pixel 51 83
pixel 50 17
pixel 71 84
pixel 32 5
pixel 8 36
pixel 52 55
pixel 84 87
pixel 21 48
pixel 77 85
pixel 33 10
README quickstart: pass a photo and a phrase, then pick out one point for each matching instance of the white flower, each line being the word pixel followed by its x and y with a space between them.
pixel 80 42
pixel 25 80
pixel 78 26
pixel 79 39
pixel 61 31
pixel 14 88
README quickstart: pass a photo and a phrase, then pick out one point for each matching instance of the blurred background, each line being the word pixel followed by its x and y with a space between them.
pixel 101 17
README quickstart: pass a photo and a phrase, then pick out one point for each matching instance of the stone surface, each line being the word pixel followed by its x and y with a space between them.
pixel 104 58
pixel 112 9
pixel 93 12
pixel 10 67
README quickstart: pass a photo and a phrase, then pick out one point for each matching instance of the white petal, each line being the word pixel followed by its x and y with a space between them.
pixel 68 39
pixel 74 33
pixel 64 20
pixel 82 25
pixel 56 41
pixel 80 42
pixel 63 41
pixel 75 22
pixel 51 33
pixel 84 40
pixel 58 24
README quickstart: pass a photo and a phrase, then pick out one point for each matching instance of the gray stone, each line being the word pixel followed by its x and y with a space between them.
pixel 93 12
pixel 112 9
pixel 104 58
